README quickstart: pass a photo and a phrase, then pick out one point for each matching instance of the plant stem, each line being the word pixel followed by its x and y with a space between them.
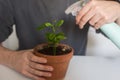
pixel 53 29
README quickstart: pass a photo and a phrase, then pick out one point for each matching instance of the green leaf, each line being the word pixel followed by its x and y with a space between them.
pixel 59 23
pixel 41 27
pixel 50 36
pixel 47 24
pixel 60 36
pixel 53 37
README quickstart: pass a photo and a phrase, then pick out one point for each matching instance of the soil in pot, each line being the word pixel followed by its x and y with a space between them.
pixel 60 50
pixel 59 62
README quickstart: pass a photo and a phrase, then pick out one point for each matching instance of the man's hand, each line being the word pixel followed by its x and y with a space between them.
pixel 98 13
pixel 30 65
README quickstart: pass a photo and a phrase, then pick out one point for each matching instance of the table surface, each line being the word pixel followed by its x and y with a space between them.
pixel 80 68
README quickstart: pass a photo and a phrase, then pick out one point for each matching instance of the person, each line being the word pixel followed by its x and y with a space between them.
pixel 27 15
pixel 98 13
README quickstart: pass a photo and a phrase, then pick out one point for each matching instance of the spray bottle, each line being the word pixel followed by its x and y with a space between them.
pixel 111 30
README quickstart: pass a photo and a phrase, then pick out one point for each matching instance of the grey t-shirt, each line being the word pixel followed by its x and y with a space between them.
pixel 27 15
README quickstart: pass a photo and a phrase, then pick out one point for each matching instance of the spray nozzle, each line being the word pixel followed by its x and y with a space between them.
pixel 75 7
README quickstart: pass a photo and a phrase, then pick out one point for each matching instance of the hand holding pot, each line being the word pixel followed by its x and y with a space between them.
pixel 30 65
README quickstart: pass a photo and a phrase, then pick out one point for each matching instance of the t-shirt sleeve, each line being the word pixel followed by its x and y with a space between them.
pixel 6 19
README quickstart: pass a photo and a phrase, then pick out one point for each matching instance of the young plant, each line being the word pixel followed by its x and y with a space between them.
pixel 54 37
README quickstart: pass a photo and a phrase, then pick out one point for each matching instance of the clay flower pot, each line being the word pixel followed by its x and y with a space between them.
pixel 59 62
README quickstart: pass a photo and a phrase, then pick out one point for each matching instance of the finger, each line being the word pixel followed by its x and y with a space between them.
pixel 31 50
pixel 33 76
pixel 100 23
pixel 94 19
pixel 39 73
pixel 37 59
pixel 40 66
pixel 82 12
pixel 86 17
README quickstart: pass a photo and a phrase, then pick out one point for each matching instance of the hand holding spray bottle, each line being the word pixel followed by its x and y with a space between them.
pixel 111 30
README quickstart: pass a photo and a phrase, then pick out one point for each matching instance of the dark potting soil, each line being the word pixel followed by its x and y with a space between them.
pixel 60 50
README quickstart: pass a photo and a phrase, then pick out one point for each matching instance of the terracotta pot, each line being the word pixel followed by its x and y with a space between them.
pixel 60 63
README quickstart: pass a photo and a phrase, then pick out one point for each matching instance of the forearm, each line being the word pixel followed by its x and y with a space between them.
pixel 6 56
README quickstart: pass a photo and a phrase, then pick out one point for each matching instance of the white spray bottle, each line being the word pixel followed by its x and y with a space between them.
pixel 111 30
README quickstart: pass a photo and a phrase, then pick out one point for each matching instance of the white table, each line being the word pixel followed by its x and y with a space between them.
pixel 81 68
